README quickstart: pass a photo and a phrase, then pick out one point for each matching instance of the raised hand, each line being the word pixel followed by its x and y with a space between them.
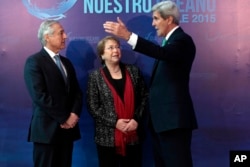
pixel 118 29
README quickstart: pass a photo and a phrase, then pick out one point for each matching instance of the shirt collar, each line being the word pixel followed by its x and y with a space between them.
pixel 171 32
pixel 51 53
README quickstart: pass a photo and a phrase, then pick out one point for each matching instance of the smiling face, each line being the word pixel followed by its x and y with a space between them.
pixel 112 52
pixel 56 41
pixel 162 26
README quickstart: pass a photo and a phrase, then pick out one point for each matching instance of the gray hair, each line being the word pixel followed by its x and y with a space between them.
pixel 166 9
pixel 45 28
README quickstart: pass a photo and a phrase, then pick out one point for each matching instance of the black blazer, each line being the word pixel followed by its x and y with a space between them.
pixel 101 104
pixel 53 100
pixel 170 102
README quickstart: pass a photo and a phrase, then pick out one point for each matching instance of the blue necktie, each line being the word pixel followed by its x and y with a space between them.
pixel 58 63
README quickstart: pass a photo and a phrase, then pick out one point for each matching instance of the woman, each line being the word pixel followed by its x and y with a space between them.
pixel 116 97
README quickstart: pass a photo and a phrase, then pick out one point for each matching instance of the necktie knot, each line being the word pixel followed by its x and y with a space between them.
pixel 57 58
pixel 58 61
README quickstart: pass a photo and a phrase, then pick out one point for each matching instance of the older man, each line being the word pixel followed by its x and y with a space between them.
pixel 57 99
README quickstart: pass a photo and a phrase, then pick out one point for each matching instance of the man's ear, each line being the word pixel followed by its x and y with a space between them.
pixel 46 37
pixel 170 19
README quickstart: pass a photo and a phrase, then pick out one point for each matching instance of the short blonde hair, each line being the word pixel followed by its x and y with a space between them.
pixel 101 45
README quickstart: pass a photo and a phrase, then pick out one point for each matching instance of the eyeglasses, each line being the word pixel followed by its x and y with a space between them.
pixel 113 47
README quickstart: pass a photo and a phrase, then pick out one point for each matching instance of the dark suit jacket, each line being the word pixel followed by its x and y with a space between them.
pixel 53 101
pixel 171 105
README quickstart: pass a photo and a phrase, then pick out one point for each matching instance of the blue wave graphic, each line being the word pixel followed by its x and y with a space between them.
pixel 55 13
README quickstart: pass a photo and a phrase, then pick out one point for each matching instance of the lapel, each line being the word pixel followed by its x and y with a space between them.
pixel 154 69
pixel 172 36
pixel 51 65
pixel 48 60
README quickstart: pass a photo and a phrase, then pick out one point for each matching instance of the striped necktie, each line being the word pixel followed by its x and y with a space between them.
pixel 59 65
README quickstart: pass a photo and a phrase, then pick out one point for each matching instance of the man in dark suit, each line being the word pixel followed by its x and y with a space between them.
pixel 56 98
pixel 171 108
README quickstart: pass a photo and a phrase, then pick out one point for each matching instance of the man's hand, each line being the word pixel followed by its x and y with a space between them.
pixel 117 28
pixel 65 126
pixel 70 122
